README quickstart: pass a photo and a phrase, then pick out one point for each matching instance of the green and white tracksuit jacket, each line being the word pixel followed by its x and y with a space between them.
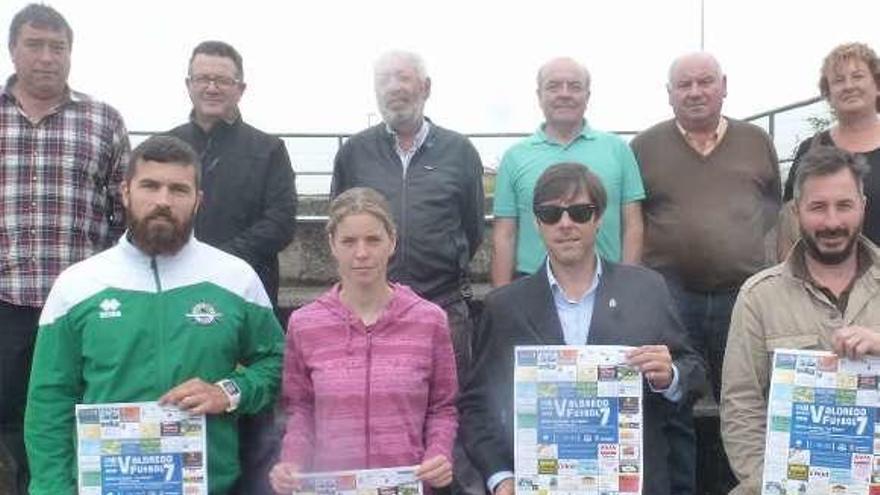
pixel 122 326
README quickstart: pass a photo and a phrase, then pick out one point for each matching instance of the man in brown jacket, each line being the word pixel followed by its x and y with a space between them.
pixel 825 295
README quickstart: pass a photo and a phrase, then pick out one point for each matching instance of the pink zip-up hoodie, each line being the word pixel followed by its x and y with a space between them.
pixel 375 396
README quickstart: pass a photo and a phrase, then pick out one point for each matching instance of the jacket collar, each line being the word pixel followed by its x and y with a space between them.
pixel 221 128
pixel 868 261
pixel 134 253
pixel 70 96
pixel 543 321
pixel 540 136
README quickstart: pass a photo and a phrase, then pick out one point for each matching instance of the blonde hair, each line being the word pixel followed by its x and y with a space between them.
pixel 360 200
pixel 846 52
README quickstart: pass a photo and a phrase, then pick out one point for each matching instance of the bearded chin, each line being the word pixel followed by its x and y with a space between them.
pixel 156 238
pixel 400 118
pixel 826 258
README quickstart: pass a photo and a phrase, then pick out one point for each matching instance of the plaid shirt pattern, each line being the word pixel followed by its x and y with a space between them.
pixel 59 191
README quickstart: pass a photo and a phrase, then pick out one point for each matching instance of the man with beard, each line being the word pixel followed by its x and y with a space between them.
pixel 432 178
pixel 825 295
pixel 160 316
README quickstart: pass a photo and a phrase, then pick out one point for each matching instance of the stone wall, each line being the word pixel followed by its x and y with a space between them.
pixel 307 267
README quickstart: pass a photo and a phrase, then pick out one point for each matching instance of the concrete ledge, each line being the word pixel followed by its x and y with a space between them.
pixel 307 262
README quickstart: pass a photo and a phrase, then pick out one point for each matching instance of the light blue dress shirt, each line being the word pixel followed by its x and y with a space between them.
pixel 575 315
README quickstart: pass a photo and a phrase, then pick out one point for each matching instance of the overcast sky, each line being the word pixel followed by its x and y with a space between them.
pixel 308 63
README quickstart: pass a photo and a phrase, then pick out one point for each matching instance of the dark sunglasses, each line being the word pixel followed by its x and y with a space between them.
pixel 579 213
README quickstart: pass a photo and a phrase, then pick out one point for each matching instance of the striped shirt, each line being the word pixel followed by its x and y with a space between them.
pixel 60 181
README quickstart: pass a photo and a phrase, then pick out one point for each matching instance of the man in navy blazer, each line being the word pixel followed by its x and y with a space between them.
pixel 576 298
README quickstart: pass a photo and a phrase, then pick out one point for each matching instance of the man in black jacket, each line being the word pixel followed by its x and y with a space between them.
pixel 432 177
pixel 249 204
pixel 248 208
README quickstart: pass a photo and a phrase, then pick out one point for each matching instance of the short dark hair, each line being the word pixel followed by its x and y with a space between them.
pixel 41 16
pixel 218 49
pixel 164 149
pixel 828 160
pixel 567 180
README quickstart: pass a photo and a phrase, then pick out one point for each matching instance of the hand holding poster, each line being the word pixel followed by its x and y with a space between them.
pixel 140 448
pixel 390 481
pixel 578 421
pixel 821 423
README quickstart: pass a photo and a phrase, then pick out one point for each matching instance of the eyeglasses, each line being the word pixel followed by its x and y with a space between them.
pixel 222 82
pixel 579 213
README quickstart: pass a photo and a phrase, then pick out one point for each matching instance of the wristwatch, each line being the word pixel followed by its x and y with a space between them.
pixel 233 393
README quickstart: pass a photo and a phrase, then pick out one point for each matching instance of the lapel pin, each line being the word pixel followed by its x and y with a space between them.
pixel 612 303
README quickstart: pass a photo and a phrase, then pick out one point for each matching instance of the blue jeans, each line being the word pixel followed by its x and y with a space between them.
pixel 706 318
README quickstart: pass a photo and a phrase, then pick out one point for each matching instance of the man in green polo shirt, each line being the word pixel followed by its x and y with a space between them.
pixel 563 92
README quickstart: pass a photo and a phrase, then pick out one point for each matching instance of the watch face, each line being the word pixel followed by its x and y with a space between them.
pixel 230 387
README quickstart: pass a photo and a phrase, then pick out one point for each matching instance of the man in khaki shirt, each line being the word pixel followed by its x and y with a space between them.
pixel 826 295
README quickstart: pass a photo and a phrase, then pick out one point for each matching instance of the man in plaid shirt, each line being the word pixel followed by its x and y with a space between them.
pixel 62 159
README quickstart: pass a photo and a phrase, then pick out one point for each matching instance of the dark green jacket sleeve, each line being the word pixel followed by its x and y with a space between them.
pixel 259 375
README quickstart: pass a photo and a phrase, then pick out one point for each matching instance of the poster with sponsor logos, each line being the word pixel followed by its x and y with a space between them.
pixel 389 481
pixel 578 420
pixel 140 448
pixel 822 432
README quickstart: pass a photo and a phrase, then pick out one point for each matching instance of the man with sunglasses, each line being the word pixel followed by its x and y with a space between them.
pixel 248 208
pixel 575 298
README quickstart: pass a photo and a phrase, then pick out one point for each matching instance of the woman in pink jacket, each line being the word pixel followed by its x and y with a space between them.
pixel 369 372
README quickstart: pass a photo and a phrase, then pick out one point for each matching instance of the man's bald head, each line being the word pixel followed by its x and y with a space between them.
pixel 697 88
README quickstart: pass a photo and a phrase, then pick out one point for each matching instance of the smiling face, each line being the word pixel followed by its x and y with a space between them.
pixel 41 57
pixel 831 209
pixel 215 88
pixel 852 89
pixel 570 243
pixel 362 246
pixel 563 92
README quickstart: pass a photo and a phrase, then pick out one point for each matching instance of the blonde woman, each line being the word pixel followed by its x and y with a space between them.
pixel 850 82
pixel 369 371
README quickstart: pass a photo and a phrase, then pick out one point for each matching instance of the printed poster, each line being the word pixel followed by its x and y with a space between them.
pixel 578 420
pixel 390 481
pixel 822 433
pixel 140 448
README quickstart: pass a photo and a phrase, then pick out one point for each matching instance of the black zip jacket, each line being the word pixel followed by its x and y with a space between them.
pixel 438 206
pixel 249 203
